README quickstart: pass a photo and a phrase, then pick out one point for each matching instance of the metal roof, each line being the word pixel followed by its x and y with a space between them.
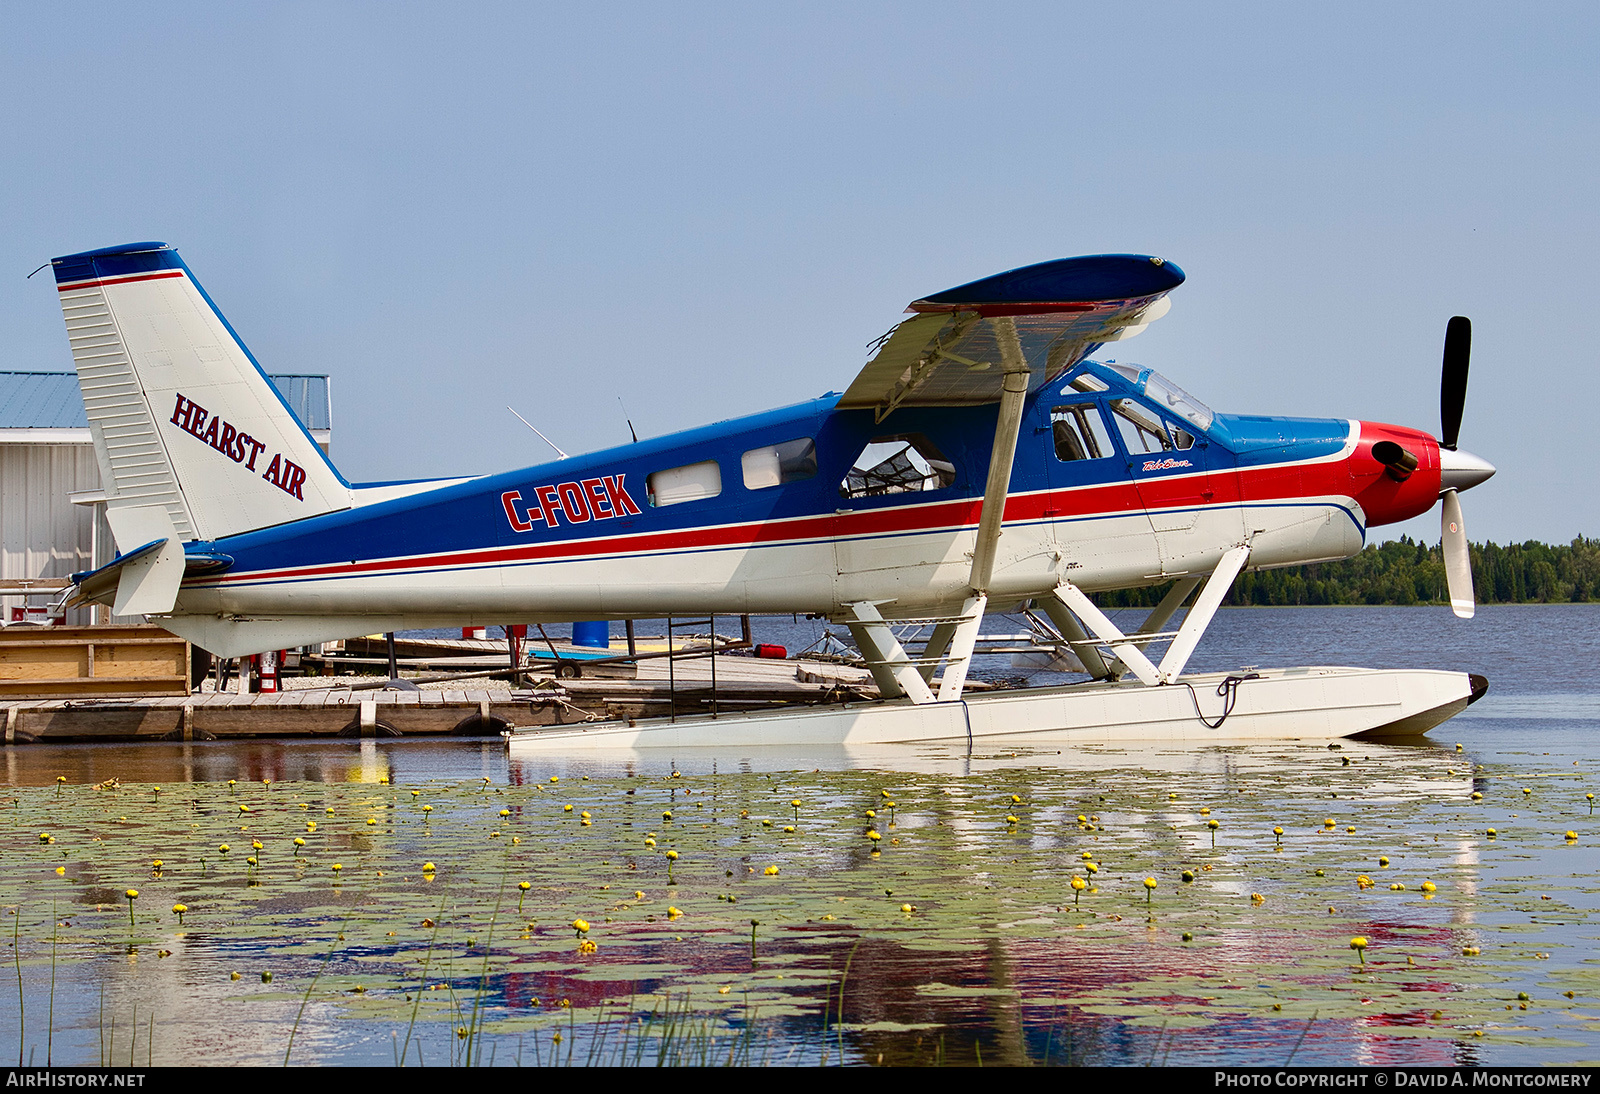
pixel 307 396
pixel 41 400
pixel 50 400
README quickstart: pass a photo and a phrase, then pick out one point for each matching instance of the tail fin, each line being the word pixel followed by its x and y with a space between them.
pixel 186 426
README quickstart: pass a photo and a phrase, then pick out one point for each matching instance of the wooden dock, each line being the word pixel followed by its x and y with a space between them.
pixel 742 683
pixel 80 662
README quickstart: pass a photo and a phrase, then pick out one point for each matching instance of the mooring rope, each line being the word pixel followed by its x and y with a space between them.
pixel 1228 689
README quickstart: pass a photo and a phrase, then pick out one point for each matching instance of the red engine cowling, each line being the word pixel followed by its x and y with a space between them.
pixel 1394 472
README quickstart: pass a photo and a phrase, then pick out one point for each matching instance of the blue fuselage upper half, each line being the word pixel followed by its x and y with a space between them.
pixel 1094 434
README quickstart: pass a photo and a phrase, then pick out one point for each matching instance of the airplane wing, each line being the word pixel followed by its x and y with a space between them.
pixel 958 344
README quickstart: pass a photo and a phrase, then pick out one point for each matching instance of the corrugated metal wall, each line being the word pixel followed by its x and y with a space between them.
pixel 42 534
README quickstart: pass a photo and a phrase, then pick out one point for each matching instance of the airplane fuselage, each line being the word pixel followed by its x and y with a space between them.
pixel 783 512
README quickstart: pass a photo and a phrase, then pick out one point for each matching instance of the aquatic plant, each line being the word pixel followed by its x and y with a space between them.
pixel 967 883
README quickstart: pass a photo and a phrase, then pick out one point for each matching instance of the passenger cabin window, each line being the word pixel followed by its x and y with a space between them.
pixel 680 484
pixel 897 465
pixel 1080 433
pixel 776 464
pixel 1142 431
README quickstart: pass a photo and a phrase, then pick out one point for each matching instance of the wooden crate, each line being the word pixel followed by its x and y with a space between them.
pixel 92 662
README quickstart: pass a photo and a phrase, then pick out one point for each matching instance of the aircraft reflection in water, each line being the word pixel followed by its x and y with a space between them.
pixel 979 460
pixel 1007 988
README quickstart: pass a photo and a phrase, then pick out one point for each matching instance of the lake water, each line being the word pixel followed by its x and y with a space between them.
pixel 955 936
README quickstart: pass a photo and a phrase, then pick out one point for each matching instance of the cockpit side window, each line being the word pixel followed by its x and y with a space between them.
pixel 1143 431
pixel 897 465
pixel 1079 432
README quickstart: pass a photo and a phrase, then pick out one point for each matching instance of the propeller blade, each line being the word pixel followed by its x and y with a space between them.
pixel 1453 379
pixel 1457 564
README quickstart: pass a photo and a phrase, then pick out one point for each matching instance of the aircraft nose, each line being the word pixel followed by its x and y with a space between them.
pixel 1462 470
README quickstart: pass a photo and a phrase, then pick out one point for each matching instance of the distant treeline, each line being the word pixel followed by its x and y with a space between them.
pixel 1407 572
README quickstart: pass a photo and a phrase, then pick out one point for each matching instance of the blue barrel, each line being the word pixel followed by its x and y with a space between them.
pixel 596 634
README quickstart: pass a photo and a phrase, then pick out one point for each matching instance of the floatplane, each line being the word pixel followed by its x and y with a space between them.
pixel 979 460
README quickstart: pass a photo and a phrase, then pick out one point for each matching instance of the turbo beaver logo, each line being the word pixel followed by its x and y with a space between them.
pixel 239 447
pixel 1164 465
pixel 576 502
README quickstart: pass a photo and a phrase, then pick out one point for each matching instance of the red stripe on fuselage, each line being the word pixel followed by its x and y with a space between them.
pixel 923 519
pixel 1351 475
pixel 1106 499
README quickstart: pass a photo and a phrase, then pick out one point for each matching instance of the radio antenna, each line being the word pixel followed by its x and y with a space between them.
pixel 542 437
pixel 629 420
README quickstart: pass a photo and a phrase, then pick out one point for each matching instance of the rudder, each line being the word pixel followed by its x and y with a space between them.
pixel 183 419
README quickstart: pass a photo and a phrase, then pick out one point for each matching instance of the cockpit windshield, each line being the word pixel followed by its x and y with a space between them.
pixel 1169 396
pixel 1164 393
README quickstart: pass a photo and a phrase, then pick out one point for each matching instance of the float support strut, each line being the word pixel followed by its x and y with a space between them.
pixel 1085 650
pixel 1126 649
pixel 1205 607
pixel 891 668
pixel 1162 612
pixel 963 641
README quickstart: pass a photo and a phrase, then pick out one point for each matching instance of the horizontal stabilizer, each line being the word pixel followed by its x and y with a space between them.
pixel 100 586
pixel 148 577
pixel 142 582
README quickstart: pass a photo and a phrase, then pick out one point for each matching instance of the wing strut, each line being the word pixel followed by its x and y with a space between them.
pixel 1013 393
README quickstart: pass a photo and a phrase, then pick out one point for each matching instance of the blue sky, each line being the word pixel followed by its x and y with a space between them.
pixel 708 210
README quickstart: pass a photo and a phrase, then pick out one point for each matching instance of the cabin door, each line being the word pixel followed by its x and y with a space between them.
pixel 1099 523
pixel 1176 471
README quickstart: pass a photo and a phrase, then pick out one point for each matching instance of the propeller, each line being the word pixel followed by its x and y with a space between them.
pixel 1458 470
pixel 1453 379
pixel 1457 561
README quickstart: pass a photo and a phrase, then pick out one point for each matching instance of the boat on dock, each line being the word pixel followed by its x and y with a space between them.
pixel 310 708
